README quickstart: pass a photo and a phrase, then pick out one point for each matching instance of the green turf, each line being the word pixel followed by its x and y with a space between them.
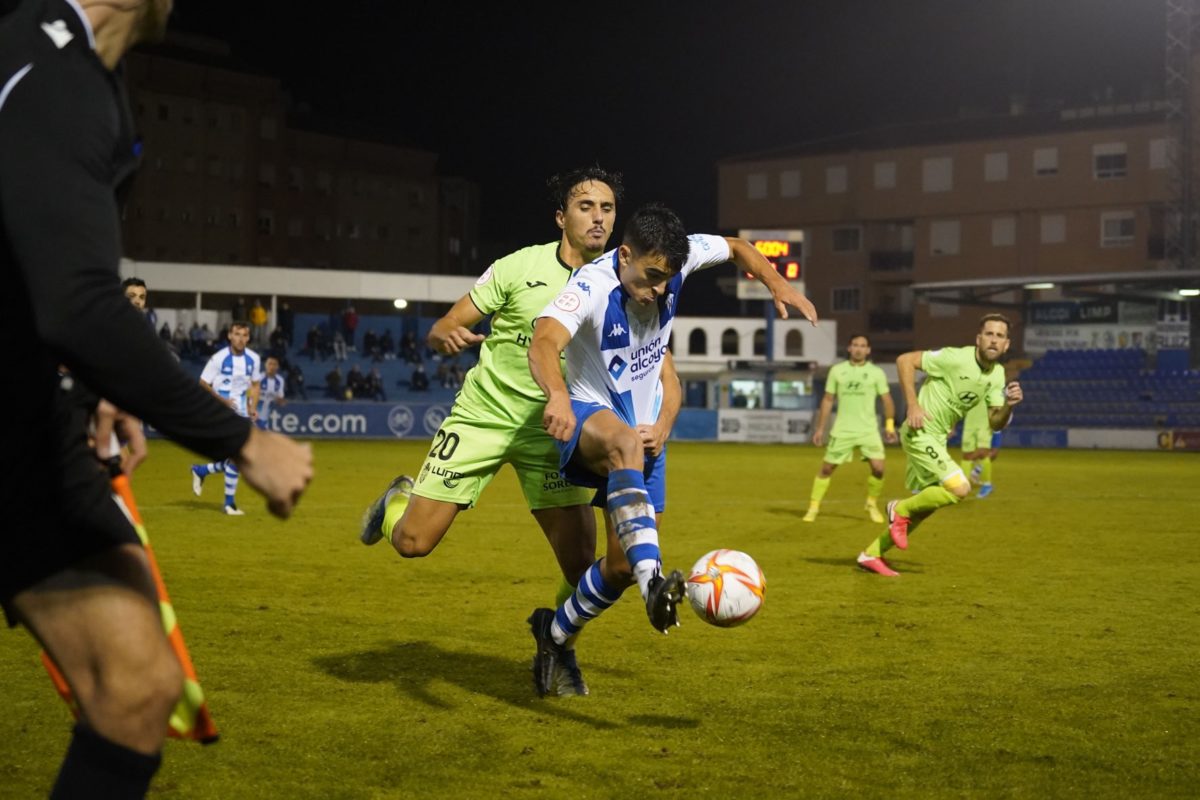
pixel 1041 643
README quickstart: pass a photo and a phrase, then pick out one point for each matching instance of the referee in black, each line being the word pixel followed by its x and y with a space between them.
pixel 71 569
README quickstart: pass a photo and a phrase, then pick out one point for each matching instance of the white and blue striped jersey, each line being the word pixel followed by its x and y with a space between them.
pixel 615 354
pixel 232 376
pixel 270 389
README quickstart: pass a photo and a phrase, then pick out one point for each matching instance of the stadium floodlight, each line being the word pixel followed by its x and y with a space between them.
pixel 1189 292
pixel 1039 286
pixel 400 302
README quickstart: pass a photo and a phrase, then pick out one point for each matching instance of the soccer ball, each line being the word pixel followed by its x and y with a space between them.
pixel 726 588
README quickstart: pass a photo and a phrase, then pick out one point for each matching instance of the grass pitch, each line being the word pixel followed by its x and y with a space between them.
pixel 1041 643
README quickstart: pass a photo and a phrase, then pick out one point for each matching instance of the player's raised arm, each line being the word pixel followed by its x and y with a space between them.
pixel 907 365
pixel 452 334
pixel 999 416
pixel 747 257
pixel 550 338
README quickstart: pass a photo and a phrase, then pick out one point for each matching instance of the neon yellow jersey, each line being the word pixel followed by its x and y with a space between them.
pixel 954 384
pixel 977 420
pixel 513 290
pixel 855 388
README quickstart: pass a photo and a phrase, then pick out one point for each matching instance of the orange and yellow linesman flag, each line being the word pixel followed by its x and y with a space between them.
pixel 190 718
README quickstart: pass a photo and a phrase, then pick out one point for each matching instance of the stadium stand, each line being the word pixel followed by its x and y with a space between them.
pixel 1124 388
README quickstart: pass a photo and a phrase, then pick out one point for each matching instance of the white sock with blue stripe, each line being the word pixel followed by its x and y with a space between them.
pixel 591 597
pixel 231 481
pixel 633 516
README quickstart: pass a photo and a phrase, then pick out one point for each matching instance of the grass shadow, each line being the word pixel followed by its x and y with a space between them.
pixel 414 667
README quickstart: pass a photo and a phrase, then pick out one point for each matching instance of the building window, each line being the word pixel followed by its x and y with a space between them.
pixel 295 178
pixel 698 342
pixel 215 168
pixel 995 167
pixel 1045 161
pixel 416 197
pixel 383 232
pixel 236 171
pixel 1116 228
pixel 164 112
pixel 267 128
pixel 1054 229
pixel 885 174
pixel 793 343
pixel 729 342
pixel 295 227
pixel 324 228
pixel 847 240
pixel 1109 161
pixel 1004 231
pixel 756 186
pixel 789 183
pixel 266 223
pixel 266 175
pixel 1159 153
pixel 455 246
pixel 846 299
pixel 189 163
pixel 944 237
pixel 760 341
pixel 836 179
pixel 235 221
pixel 324 182
pixel 937 174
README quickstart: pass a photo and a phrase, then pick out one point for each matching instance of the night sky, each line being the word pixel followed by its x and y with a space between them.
pixel 660 90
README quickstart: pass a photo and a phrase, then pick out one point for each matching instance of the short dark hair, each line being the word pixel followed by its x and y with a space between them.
pixel 562 184
pixel 237 323
pixel 125 284
pixel 656 229
pixel 854 336
pixel 986 318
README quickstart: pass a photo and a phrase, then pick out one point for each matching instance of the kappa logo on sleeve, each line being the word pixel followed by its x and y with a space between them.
pixel 567 301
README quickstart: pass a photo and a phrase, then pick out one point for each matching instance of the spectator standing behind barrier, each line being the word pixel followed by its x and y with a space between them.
pixel 287 322
pixel 333 383
pixel 349 325
pixel 387 345
pixel 258 323
pixel 295 381
pixel 339 346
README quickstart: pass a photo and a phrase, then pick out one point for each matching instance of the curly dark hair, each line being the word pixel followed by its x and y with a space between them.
pixel 562 184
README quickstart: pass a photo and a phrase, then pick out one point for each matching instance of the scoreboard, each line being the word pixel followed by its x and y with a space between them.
pixel 784 249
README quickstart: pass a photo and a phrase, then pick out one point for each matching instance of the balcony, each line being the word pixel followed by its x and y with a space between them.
pixel 891 260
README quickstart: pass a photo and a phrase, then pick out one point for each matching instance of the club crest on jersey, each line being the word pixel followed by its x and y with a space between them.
pixel 567 301
pixel 616 367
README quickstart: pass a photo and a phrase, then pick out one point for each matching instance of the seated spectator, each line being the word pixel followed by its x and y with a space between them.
pixel 374 390
pixel 164 333
pixel 456 376
pixel 180 341
pixel 408 348
pixel 333 383
pixel 442 374
pixel 339 346
pixel 387 345
pixel 419 381
pixel 371 346
pixel 356 382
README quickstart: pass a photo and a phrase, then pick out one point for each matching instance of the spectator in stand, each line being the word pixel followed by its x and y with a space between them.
pixel 207 339
pixel 278 345
pixel 258 323
pixel 387 345
pixel 356 382
pixel 295 382
pixel 456 375
pixel 374 389
pixel 371 346
pixel 349 325
pixel 419 381
pixel 408 348
pixel 179 340
pixel 333 383
pixel 164 332
pixel 287 322
pixel 314 344
pixel 339 346
pixel 240 311
pixel 442 375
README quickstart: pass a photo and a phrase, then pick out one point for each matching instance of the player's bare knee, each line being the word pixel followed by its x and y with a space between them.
pixel 827 470
pixel 411 544
pixel 959 490
pixel 625 450
pixel 141 688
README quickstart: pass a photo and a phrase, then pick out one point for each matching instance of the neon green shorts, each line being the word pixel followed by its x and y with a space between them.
pixel 466 454
pixel 976 439
pixel 929 463
pixel 841 447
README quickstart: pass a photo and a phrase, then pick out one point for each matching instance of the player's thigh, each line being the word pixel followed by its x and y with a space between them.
pixel 975 440
pixel 839 450
pixel 870 447
pixel 463 457
pixel 928 461
pixel 535 456
pixel 100 621
pixel 606 443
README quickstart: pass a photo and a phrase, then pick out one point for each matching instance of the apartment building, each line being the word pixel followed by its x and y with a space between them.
pixel 1078 191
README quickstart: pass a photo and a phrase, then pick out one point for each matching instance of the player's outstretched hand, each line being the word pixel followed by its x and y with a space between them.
pixel 277 467
pixel 454 341
pixel 558 419
pixel 788 296
pixel 1013 393
pixel 891 437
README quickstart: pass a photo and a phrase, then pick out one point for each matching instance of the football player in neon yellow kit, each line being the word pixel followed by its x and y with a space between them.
pixel 497 415
pixel 957 379
pixel 855 384
pixel 977 437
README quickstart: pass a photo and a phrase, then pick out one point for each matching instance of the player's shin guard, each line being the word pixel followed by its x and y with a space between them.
pixel 587 602
pixel 633 517
pixel 231 481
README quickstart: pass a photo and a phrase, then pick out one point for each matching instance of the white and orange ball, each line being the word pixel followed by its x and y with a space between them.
pixel 726 588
